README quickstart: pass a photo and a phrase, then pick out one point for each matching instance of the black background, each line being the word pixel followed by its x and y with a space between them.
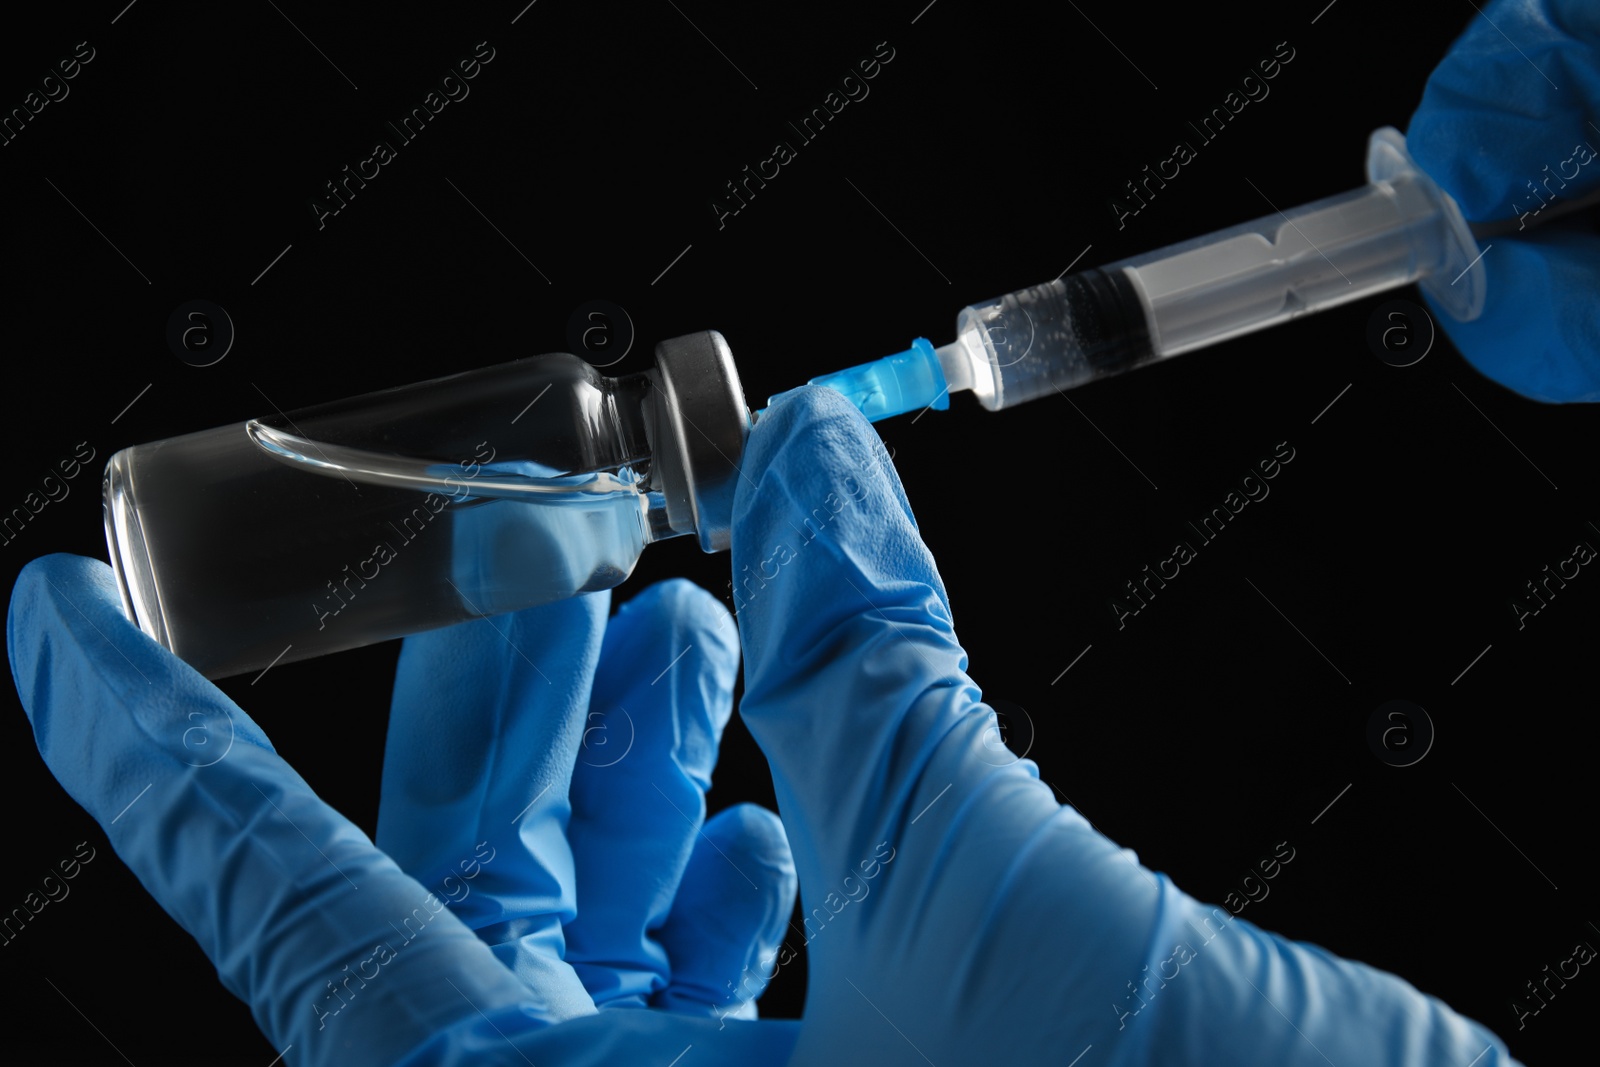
pixel 1213 726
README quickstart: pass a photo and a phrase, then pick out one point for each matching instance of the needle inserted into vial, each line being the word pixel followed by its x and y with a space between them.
pixel 1397 229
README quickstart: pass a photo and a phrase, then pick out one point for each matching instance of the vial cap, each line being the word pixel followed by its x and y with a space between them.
pixel 698 425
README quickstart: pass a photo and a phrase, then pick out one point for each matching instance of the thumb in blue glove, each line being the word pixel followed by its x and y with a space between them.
pixel 1508 124
pixel 952 905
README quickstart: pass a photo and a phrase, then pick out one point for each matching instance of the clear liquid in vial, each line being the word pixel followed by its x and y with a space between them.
pixel 236 560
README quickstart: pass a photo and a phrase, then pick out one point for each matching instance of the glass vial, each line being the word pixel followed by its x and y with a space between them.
pixel 367 519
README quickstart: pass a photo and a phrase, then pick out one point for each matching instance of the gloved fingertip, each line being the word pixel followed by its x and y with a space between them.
pixel 758 834
pixel 695 611
pixel 671 656
pixel 74 598
pixel 839 440
pixel 43 582
pixel 823 536
pixel 730 915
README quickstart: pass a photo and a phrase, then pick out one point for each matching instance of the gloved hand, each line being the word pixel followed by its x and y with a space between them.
pixel 1508 124
pixel 952 906
pixel 349 955
pixel 956 913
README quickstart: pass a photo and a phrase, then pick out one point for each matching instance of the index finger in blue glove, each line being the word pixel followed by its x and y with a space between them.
pixel 1508 127
pixel 304 919
pixel 484 728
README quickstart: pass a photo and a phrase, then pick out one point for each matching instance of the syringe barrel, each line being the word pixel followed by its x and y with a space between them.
pixel 1315 256
pixel 1397 229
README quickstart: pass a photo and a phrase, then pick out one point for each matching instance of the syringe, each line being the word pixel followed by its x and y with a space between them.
pixel 1397 229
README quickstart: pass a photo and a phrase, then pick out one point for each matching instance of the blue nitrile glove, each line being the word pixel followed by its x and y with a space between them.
pixel 1513 106
pixel 956 913
pixel 348 955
